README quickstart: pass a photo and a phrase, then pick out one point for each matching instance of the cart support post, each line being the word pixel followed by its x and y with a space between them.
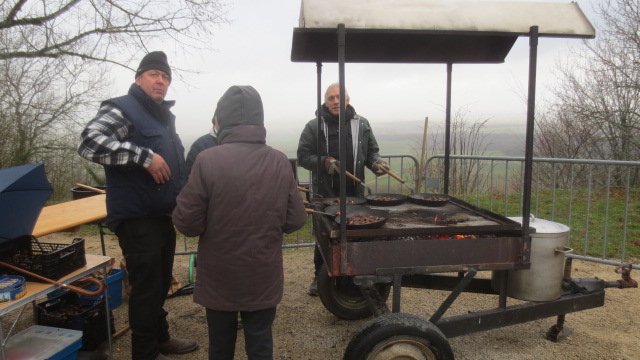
pixel 531 106
pixel 319 164
pixel 343 149
pixel 447 134
pixel 397 289
pixel 558 332
pixel 453 296
pixel 502 296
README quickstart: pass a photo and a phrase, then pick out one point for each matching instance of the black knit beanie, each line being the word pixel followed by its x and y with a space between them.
pixel 155 60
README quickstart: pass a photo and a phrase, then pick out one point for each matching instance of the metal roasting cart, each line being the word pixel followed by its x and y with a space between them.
pixel 415 247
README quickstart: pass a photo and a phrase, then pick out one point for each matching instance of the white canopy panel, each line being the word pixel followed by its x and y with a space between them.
pixel 552 19
pixel 428 31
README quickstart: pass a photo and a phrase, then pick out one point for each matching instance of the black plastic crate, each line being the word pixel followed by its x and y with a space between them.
pixel 10 247
pixel 50 260
pixel 70 311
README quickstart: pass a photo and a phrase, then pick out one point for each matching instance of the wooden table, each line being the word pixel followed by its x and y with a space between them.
pixel 70 214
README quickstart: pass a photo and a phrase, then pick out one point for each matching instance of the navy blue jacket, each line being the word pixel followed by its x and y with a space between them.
pixel 131 191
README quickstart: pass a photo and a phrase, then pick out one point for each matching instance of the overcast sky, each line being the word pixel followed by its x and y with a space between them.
pixel 255 49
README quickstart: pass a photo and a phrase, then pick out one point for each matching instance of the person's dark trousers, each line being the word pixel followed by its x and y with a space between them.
pixel 258 336
pixel 148 246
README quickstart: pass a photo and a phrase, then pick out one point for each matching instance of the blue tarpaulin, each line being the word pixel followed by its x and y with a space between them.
pixel 23 192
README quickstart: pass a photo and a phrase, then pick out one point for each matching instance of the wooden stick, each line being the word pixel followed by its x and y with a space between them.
pixel 392 174
pixel 91 188
pixel 353 177
pixel 424 146
pixel 121 331
pixel 62 285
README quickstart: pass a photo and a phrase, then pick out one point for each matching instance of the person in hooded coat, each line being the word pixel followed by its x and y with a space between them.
pixel 241 196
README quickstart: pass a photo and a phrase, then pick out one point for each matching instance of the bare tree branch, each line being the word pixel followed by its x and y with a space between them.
pixel 104 30
pixel 597 106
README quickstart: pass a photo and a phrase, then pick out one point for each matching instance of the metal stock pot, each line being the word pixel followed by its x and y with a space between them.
pixel 543 281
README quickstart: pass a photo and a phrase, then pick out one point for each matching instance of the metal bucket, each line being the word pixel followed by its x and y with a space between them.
pixel 543 280
pixel 81 193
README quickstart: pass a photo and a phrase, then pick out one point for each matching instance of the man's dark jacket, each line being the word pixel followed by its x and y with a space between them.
pixel 132 192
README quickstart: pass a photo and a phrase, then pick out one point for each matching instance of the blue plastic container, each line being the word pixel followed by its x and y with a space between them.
pixel 114 282
pixel 44 342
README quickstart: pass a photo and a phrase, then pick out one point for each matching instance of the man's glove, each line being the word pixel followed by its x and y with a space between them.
pixel 331 165
pixel 377 167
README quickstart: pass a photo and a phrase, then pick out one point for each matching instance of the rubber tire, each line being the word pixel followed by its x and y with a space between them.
pixel 401 336
pixel 343 298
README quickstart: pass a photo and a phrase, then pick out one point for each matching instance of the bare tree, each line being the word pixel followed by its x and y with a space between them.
pixel 106 31
pixel 596 113
pixel 40 103
pixel 52 69
pixel 467 138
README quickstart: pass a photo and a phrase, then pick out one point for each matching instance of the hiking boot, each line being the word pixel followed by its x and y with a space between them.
pixel 313 288
pixel 177 346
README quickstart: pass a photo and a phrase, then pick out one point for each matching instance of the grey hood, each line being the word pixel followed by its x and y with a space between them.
pixel 240 105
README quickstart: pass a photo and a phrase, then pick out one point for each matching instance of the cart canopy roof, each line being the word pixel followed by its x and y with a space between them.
pixel 428 31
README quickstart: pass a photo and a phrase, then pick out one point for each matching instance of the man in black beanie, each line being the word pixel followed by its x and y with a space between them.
pixel 134 137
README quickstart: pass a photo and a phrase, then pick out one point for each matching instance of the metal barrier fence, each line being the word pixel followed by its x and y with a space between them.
pixel 596 199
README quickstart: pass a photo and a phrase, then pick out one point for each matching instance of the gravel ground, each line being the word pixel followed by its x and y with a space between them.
pixel 304 329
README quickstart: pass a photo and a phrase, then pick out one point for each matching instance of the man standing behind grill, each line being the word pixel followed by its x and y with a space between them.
pixel 241 196
pixel 134 138
pixel 202 143
pixel 362 150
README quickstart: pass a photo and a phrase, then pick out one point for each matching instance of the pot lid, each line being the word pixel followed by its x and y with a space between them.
pixel 541 226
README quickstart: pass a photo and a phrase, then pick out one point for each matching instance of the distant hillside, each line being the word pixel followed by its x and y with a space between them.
pixel 402 137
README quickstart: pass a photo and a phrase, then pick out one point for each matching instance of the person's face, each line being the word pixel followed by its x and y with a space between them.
pixel 332 100
pixel 154 83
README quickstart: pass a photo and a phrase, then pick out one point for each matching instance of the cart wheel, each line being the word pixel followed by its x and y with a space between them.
pixel 192 265
pixel 343 298
pixel 399 336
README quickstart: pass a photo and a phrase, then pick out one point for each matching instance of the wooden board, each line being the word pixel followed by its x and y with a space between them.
pixel 70 214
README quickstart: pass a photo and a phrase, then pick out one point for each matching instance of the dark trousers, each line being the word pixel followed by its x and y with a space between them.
pixel 148 246
pixel 257 326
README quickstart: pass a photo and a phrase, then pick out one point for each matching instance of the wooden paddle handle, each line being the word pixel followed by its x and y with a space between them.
pixel 391 174
pixel 64 286
pixel 353 177
pixel 91 188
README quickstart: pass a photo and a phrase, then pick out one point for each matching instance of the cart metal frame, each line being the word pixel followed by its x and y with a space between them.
pixel 351 260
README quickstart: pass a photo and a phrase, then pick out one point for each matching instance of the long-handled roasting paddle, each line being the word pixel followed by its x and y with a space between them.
pixel 335 163
pixel 393 175
pixel 354 178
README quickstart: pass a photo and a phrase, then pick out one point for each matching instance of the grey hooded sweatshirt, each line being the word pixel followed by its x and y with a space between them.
pixel 240 198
